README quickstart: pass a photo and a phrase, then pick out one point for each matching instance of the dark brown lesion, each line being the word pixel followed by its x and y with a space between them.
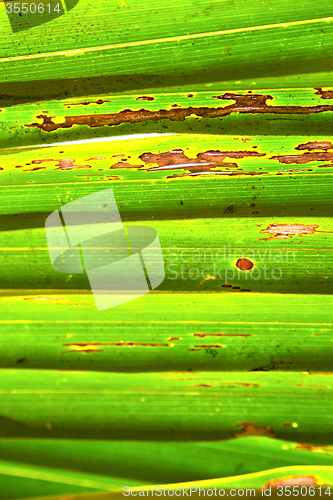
pixel 65 164
pixel 202 335
pixel 145 98
pixel 83 351
pixel 304 158
pixel 204 162
pixel 323 145
pixel 248 103
pixel 252 429
pixel 244 264
pixel 324 94
pixel 86 103
pixel 212 346
pixel 121 343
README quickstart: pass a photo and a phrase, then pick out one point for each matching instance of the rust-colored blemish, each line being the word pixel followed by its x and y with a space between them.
pixel 297 170
pixel 316 386
pixel 204 162
pixel 120 164
pixel 325 94
pixel 292 481
pixel 304 158
pixel 283 231
pixel 118 344
pixel 65 164
pixel 193 349
pixel 245 384
pixel 145 98
pixel 203 385
pixel 97 158
pixel 85 103
pixel 251 429
pixel 323 145
pixel 173 338
pixel 83 351
pixel 221 334
pixel 41 161
pixel 319 373
pixel 213 346
pixel 244 264
pixel 32 169
pixel 286 424
pixel 254 103
pixel 325 449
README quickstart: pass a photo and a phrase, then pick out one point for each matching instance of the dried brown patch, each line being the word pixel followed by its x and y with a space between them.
pixel 325 94
pixel 326 449
pixel 145 98
pixel 117 344
pixel 251 429
pixel 304 158
pixel 254 103
pixel 283 231
pixel 221 334
pixel 324 145
pixel 213 346
pixel 86 103
pixel 244 264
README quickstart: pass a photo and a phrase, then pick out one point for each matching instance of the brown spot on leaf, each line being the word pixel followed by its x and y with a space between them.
pixel 325 94
pixel 244 264
pixel 145 98
pixel 304 158
pixel 320 373
pixel 173 338
pixel 245 384
pixel 40 161
pixel 83 351
pixel 32 169
pixel 203 385
pixel 85 103
pixel 254 103
pixel 118 344
pixel 125 164
pixel 193 349
pixel 283 231
pixel 221 334
pixel 326 449
pixel 251 429
pixel 69 165
pixel 205 162
pixel 213 346
pixel 324 145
